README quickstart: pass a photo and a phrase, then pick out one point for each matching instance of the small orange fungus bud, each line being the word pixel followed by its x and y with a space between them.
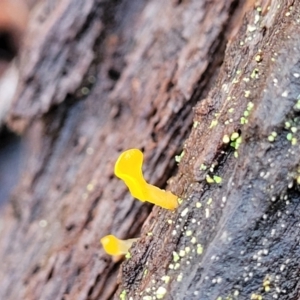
pixel 129 168
pixel 114 246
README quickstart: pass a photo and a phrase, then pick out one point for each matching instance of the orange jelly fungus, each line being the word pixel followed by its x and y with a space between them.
pixel 114 246
pixel 129 168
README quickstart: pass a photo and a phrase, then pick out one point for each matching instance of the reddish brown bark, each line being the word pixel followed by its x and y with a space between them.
pixel 99 77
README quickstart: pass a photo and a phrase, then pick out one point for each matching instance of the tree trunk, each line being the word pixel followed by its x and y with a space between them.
pixel 99 77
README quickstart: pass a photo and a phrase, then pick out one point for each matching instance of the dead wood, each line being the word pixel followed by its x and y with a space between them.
pixel 100 77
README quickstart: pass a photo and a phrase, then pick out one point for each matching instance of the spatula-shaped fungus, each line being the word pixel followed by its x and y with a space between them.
pixel 115 246
pixel 129 168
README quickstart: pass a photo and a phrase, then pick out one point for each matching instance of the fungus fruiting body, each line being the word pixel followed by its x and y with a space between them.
pixel 129 168
pixel 115 246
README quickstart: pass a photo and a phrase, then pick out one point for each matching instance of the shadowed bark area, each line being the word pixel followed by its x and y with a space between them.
pixel 99 77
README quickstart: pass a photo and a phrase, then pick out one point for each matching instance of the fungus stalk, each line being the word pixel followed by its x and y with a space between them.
pixel 129 168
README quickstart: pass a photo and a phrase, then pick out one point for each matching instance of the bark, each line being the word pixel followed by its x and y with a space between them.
pixel 99 77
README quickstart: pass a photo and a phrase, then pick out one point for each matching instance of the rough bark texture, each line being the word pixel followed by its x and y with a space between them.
pixel 99 77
